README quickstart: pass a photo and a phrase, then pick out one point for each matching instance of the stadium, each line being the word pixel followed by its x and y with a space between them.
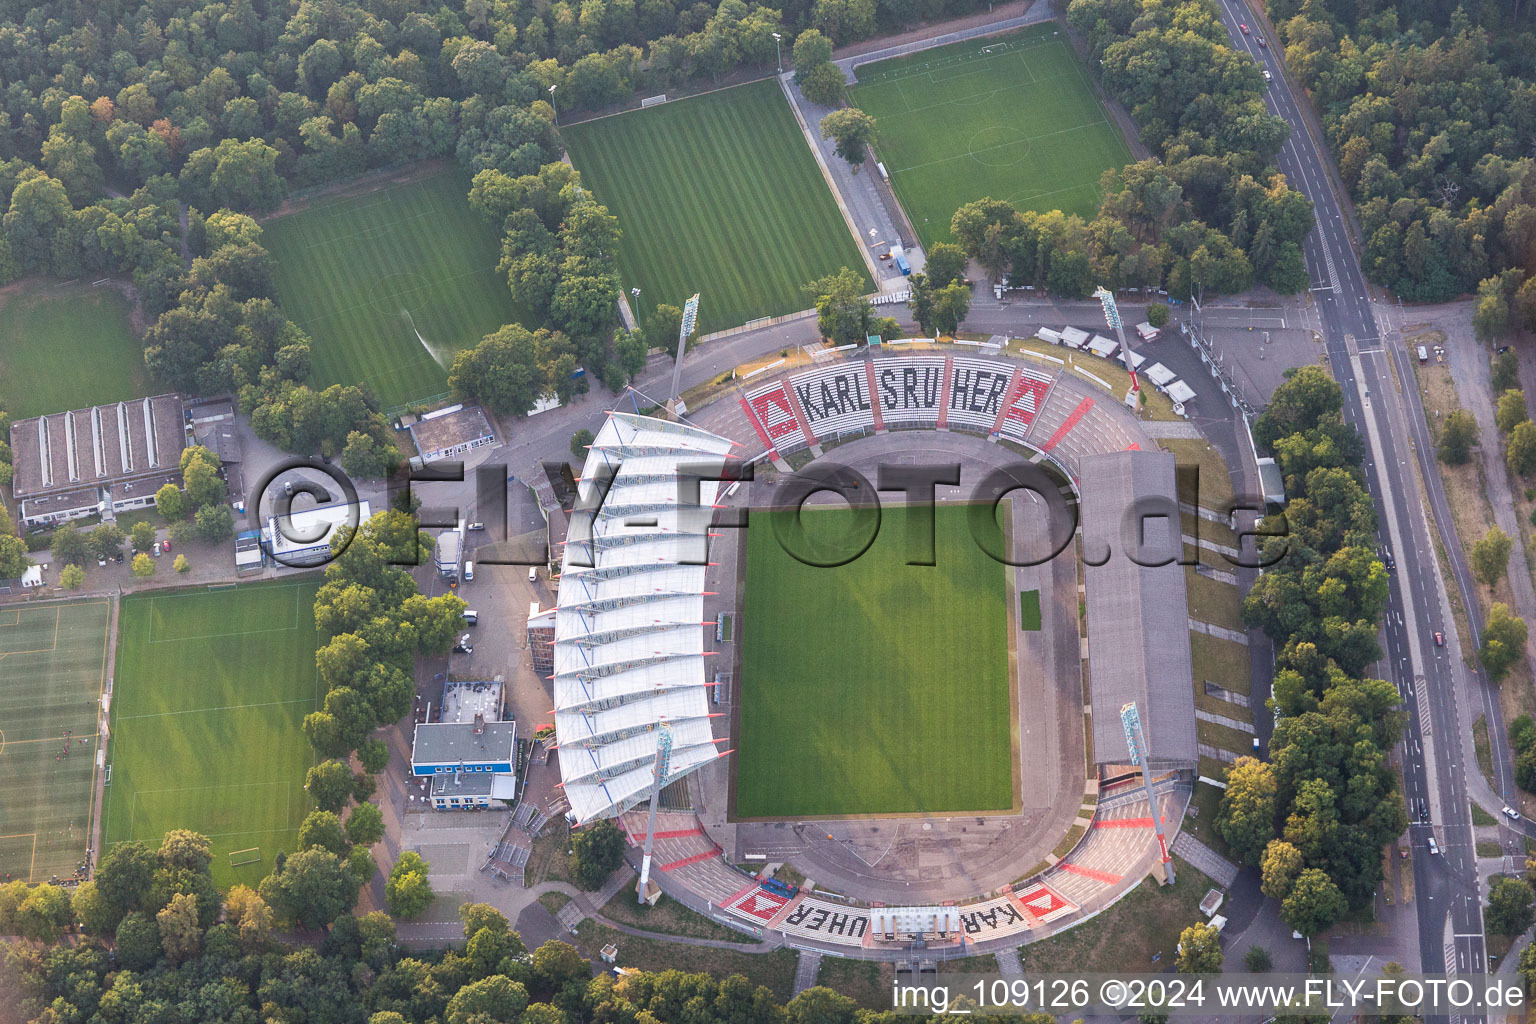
pixel 901 655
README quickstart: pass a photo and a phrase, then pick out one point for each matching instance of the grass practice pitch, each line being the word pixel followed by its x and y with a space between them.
pixel 875 687
pixel 390 284
pixel 66 346
pixel 52 670
pixel 1012 117
pixel 211 689
pixel 717 194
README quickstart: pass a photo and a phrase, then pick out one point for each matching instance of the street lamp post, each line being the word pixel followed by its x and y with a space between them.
pixel 779 50
pixel 553 107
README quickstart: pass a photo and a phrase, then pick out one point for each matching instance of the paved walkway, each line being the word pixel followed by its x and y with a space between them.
pixel 1205 859
pixel 1174 429
pixel 1037 12
pixel 808 971
pixel 867 204
pixel 1009 965
pixel 1230 723
pixel 1220 632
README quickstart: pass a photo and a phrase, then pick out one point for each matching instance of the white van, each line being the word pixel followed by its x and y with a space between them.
pixel 533 574
pixel 471 617
pixel 469 571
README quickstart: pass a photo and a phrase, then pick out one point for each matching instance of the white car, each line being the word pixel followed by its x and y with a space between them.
pixel 1510 812
pixel 1434 847
pixel 1267 76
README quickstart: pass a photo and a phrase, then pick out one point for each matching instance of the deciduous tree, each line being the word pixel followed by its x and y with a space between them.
pixel 1200 950
pixel 407 893
pixel 852 131
pixel 1490 556
pixel 1457 437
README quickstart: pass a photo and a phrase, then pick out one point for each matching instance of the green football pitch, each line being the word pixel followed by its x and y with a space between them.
pixel 876 687
pixel 389 285
pixel 210 693
pixel 719 195
pixel 67 346
pixel 52 669
pixel 1011 117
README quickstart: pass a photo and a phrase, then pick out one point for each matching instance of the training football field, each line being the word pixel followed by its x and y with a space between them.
pixel 67 346
pixel 717 194
pixel 390 284
pixel 210 693
pixel 52 670
pixel 1012 117
pixel 876 687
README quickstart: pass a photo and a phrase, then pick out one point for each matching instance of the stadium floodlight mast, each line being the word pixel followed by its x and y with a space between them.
pixel 661 770
pixel 778 50
pixel 1136 743
pixel 552 106
pixel 690 320
pixel 1112 318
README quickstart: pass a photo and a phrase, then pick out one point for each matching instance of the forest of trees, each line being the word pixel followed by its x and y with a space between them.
pixel 179 954
pixel 1314 819
pixel 1430 109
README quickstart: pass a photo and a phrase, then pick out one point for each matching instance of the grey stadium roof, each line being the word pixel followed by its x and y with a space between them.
pixel 1138 618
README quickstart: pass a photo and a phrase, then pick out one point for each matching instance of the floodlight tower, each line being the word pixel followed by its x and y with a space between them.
pixel 1136 743
pixel 1112 317
pixel 690 320
pixel 662 769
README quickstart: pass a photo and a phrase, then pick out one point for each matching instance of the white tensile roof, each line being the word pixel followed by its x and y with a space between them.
pixel 629 637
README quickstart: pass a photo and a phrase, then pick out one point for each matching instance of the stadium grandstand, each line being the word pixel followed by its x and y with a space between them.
pixel 629 658
pixel 1138 622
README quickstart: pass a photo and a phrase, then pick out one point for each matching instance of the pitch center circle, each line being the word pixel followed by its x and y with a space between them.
pixel 998 146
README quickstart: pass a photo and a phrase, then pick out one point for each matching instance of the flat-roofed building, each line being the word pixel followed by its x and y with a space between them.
pixel 470 755
pixel 98 461
pixel 451 432
pixel 304 537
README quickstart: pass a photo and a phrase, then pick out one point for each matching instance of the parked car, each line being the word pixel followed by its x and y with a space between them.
pixel 475 526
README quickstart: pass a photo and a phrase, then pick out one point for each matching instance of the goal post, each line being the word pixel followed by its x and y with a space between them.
pixel 239 858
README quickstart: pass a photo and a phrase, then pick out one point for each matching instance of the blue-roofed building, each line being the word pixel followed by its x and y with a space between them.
pixel 470 755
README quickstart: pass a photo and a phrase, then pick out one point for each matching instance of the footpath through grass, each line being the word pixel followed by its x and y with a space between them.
pixel 1011 117
pixel 52 670
pixel 717 194
pixel 211 690
pixel 876 687
pixel 390 284
pixel 66 346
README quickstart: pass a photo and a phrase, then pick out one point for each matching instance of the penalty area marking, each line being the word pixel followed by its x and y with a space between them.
pixel 38 650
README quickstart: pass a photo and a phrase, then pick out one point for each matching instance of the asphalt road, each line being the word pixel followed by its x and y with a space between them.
pixel 1449 909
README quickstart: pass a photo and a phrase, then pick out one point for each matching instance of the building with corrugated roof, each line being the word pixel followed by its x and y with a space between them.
pixel 98 461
